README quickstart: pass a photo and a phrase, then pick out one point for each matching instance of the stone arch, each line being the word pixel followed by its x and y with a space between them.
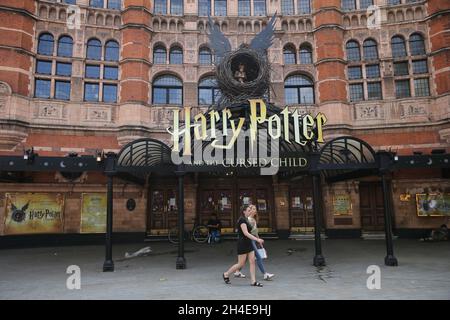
pixel 355 21
pixel 224 27
pixel 62 14
pixel 248 27
pixel 363 20
pixel 52 14
pixel 257 27
pixel 43 12
pixel 241 27
pixel 418 14
pixel 91 18
pixel 409 14
pixel 284 26
pixel 347 22
pixel 164 25
pixel 117 22
pixel 400 16
pixel 301 25
pixel 200 26
pixel 156 24
pixel 180 26
pixel 100 21
pixel 172 26
pixel 109 20
pixel 292 26
pixel 391 17
pixel 308 25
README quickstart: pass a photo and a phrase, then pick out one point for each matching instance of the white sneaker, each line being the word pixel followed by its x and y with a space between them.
pixel 268 276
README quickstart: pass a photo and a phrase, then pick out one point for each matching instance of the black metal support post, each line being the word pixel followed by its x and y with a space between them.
pixel 319 260
pixel 181 261
pixel 108 265
pixel 390 259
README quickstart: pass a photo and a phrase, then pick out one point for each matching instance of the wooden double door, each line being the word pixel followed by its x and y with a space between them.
pixel 301 213
pixel 162 210
pixel 371 206
pixel 225 197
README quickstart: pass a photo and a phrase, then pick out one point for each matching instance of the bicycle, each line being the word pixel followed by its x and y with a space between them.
pixel 199 234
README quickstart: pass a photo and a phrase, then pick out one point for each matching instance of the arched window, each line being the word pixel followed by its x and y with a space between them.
pixel 298 89
pixel 208 91
pixel 112 51
pixel 398 47
pixel 65 45
pixel 304 6
pixel 167 89
pixel 176 7
pixel 94 49
pixel 176 55
pixel 353 53
pixel 305 54
pixel 159 55
pixel 289 55
pixel 45 45
pixel 370 50
pixel 205 56
pixel 416 44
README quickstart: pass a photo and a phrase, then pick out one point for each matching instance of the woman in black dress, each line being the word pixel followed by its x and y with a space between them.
pixel 244 247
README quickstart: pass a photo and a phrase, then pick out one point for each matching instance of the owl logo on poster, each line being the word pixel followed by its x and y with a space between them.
pixel 18 215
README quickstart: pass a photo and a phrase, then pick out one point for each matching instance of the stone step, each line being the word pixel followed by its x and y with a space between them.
pixel 375 236
pixel 306 236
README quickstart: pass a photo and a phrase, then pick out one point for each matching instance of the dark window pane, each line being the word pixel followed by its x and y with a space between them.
pixel 160 7
pixel 159 95
pixel 370 50
pixel 70 1
pixel 96 3
pixel 373 71
pixel 289 56
pixel 243 7
pixel 111 73
pixel 220 7
pixel 109 93
pixel 420 66
pixel 93 71
pixel 112 51
pixel 91 92
pixel 287 7
pixel 176 7
pixel 204 7
pixel 394 2
pixel 305 55
pixel 114 4
pixel 208 91
pixel 64 69
pixel 205 56
pixel 398 47
pixel 176 56
pixel 43 67
pixel 374 90
pixel 259 7
pixel 402 89
pixel 421 87
pixel 306 95
pixel 205 96
pixel 401 68
pixel 175 96
pixel 416 45
pixel 94 50
pixel 62 90
pixel 353 53
pixel 159 55
pixel 354 73
pixel 42 88
pixel 304 6
pixel 291 95
pixel 356 92
pixel 65 45
pixel 364 4
pixel 348 5
pixel 45 45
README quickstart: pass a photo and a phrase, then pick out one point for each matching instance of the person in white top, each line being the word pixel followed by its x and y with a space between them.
pixel 251 219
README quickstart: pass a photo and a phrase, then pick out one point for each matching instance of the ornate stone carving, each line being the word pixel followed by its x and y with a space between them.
pixel 369 112
pixel 412 110
pixel 50 111
pixel 98 114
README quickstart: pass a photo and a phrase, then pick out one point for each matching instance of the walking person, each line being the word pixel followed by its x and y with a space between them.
pixel 254 231
pixel 244 248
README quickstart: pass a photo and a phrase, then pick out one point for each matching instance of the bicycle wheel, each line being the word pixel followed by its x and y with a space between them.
pixel 174 236
pixel 200 234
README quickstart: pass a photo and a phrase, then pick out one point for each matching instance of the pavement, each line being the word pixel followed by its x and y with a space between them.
pixel 40 273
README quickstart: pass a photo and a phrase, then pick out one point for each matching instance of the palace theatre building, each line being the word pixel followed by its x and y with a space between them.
pixel 83 78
